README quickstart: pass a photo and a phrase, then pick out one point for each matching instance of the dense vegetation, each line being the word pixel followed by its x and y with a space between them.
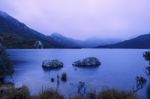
pixel 24 93
pixel 146 55
pixel 5 64
pixel 17 35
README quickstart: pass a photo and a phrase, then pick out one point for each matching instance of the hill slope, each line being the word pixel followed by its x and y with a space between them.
pixel 65 41
pixel 15 34
pixel 141 42
pixel 89 43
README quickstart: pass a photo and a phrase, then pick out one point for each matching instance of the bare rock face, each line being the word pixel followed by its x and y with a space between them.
pixel 87 62
pixel 52 64
pixel 38 44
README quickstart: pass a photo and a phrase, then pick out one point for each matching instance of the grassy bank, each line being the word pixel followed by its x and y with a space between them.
pixel 24 93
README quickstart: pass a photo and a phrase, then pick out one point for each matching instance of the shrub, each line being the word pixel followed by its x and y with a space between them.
pixel 15 93
pixel 107 94
pixel 52 79
pixel 64 77
pixel 5 64
pixel 50 94
pixel 146 55
pixel 116 94
pixel 91 95
pixel 140 82
pixel 77 97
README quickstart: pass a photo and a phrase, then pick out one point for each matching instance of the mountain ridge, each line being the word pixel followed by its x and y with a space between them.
pixel 16 34
pixel 89 43
pixel 139 42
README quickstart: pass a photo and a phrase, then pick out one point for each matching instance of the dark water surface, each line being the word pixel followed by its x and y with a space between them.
pixel 118 70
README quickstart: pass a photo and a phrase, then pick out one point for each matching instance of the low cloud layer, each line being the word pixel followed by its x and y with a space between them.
pixel 83 19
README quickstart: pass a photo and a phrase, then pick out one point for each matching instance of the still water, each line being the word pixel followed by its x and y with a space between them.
pixel 118 70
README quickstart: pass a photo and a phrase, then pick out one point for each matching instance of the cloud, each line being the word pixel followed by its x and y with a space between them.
pixel 83 18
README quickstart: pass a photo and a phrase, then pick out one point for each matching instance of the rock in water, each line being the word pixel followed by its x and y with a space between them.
pixel 52 64
pixel 87 62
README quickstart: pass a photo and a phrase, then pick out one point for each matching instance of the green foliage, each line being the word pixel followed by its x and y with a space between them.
pixel 77 97
pixel 107 94
pixel 140 82
pixel 23 93
pixel 146 55
pixel 15 93
pixel 5 64
pixel 148 91
pixel 92 95
pixel 116 94
pixel 12 40
pixel 143 81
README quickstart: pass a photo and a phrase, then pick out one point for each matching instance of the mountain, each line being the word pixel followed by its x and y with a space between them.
pixel 64 41
pixel 94 42
pixel 141 42
pixel 14 34
pixel 89 43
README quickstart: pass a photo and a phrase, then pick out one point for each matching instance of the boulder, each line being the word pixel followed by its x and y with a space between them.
pixel 87 62
pixel 52 64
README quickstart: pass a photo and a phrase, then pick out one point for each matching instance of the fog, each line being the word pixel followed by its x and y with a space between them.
pixel 82 19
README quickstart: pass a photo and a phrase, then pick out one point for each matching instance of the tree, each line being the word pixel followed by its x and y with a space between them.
pixel 146 55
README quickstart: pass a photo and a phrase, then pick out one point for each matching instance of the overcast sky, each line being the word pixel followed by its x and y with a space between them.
pixel 83 19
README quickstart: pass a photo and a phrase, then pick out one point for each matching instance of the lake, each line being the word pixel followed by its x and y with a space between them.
pixel 118 70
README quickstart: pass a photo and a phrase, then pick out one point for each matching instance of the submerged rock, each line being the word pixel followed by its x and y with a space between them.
pixel 52 64
pixel 87 62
